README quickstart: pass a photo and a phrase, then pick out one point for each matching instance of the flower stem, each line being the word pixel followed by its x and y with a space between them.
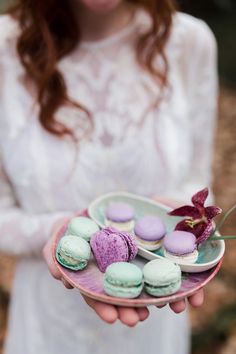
pixel 231 237
pixel 224 218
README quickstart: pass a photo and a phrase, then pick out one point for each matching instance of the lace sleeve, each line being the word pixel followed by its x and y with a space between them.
pixel 203 93
pixel 22 233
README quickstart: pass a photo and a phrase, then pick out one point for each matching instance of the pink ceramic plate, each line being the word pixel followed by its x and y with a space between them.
pixel 90 282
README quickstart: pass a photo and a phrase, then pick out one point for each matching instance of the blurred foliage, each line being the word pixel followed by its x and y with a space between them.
pixel 221 17
pixel 5 3
pixel 215 333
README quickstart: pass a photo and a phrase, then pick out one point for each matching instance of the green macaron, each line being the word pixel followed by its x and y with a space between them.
pixel 161 277
pixel 73 252
pixel 123 280
pixel 83 227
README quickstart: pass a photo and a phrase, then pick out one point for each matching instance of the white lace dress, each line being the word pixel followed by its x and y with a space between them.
pixel 135 146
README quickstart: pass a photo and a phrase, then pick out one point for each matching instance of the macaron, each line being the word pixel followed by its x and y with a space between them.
pixel 120 215
pixel 83 227
pixel 161 277
pixel 110 245
pixel 123 280
pixel 180 247
pixel 149 232
pixel 73 252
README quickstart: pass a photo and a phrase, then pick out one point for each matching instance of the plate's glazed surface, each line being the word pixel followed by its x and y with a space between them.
pixel 210 253
pixel 90 281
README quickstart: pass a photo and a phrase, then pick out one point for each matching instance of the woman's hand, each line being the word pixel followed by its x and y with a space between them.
pixel 109 313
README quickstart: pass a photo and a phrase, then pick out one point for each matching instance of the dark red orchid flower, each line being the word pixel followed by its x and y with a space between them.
pixel 199 218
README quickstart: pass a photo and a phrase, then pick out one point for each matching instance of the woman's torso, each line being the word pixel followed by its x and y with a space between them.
pixel 136 146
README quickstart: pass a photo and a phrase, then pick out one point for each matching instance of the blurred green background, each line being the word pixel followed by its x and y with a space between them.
pixel 214 325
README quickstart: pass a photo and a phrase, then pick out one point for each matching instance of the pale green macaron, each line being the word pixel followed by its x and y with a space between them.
pixel 73 252
pixel 83 227
pixel 161 277
pixel 123 280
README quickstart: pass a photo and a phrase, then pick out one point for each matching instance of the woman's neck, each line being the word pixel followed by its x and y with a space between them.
pixel 98 26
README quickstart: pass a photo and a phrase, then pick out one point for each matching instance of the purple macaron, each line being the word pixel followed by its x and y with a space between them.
pixel 180 242
pixel 110 245
pixel 149 231
pixel 119 212
pixel 180 245
pixel 120 215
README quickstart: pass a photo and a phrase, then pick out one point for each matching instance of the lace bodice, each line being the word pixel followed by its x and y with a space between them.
pixel 136 145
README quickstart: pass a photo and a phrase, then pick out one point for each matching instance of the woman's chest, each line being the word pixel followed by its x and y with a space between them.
pixel 133 145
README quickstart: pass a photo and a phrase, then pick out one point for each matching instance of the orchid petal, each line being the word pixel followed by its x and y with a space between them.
pixel 197 230
pixel 206 233
pixel 186 210
pixel 183 226
pixel 200 197
pixel 212 211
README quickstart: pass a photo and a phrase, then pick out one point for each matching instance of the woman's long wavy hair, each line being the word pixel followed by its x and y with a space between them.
pixel 50 31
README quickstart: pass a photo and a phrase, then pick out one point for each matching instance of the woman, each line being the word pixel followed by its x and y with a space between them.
pixel 96 96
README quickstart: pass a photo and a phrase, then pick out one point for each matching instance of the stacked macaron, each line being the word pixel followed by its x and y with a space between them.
pixel 120 215
pixel 149 232
pixel 73 250
pixel 180 247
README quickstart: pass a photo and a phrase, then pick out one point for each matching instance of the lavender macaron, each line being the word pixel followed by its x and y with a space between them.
pixel 120 215
pixel 149 232
pixel 110 245
pixel 180 247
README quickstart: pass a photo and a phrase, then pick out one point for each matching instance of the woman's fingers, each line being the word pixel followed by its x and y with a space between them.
pixel 47 254
pixel 178 306
pixel 143 313
pixel 106 312
pixel 109 313
pixel 128 316
pixel 197 299
pixel 66 284
pixel 160 306
pixel 131 316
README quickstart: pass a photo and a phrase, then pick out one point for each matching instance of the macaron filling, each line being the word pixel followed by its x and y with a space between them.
pixel 127 292
pixel 182 259
pixel 71 262
pixel 148 245
pixel 121 226
pixel 162 290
